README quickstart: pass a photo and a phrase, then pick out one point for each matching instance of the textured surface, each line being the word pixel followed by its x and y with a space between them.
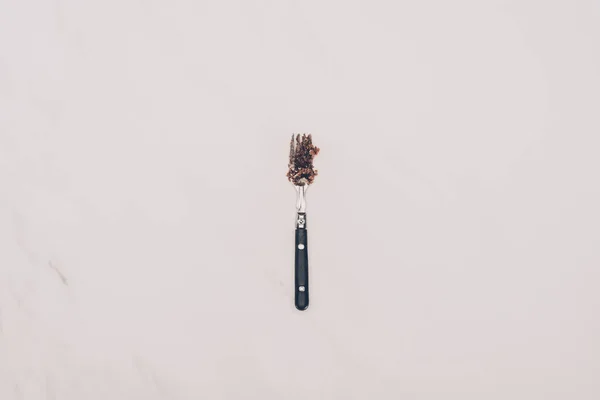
pixel 146 226
pixel 302 153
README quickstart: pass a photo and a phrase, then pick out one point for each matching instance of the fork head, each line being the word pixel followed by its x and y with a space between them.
pixel 301 171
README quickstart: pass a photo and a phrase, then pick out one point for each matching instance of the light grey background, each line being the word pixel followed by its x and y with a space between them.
pixel 146 224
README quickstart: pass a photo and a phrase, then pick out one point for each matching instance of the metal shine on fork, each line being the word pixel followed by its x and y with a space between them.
pixel 301 205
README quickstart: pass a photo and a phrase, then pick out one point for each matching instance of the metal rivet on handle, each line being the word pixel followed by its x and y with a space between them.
pixel 301 246
pixel 301 288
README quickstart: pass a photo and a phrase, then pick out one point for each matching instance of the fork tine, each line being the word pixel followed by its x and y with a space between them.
pixel 292 150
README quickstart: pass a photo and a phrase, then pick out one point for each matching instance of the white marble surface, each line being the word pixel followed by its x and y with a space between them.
pixel 146 226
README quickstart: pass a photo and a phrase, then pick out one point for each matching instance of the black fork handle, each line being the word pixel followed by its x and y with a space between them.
pixel 301 269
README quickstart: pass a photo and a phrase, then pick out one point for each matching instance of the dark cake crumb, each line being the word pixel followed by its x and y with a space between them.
pixel 302 152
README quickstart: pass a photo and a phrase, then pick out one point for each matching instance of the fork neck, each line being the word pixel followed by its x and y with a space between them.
pixel 301 198
pixel 301 206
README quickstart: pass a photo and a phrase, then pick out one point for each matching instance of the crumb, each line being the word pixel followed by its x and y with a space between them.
pixel 302 152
